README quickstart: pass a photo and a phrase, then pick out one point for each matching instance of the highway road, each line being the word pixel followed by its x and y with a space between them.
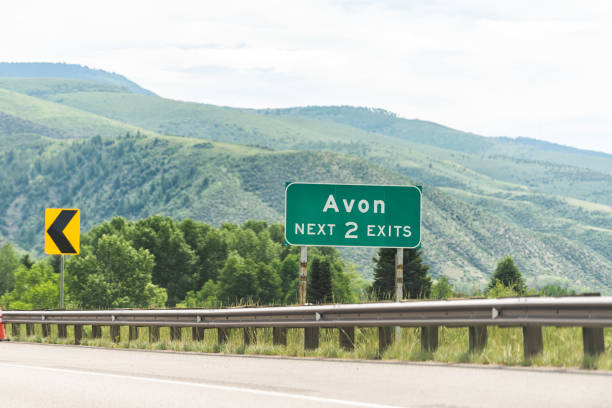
pixel 34 375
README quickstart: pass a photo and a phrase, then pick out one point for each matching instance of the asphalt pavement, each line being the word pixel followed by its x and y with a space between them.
pixel 38 375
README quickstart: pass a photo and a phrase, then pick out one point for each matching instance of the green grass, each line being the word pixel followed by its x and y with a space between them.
pixel 562 346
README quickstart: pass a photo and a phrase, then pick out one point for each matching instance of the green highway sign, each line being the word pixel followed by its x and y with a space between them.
pixel 353 215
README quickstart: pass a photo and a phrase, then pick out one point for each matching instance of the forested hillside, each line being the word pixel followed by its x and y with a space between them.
pixel 484 198
pixel 136 176
pixel 535 194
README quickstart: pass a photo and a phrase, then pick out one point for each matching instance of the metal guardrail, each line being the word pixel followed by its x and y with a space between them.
pixel 590 313
pixel 569 311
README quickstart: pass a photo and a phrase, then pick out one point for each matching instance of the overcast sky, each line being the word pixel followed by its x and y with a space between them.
pixel 539 69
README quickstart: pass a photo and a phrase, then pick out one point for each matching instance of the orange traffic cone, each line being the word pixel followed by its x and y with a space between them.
pixel 2 332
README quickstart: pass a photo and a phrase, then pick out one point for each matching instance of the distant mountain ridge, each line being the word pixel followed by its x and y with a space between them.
pixel 542 144
pixel 421 131
pixel 68 71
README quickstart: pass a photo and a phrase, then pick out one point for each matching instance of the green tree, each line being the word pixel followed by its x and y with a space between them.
pixel 244 242
pixel 207 296
pixel 289 272
pixel 442 289
pixel 238 280
pixel 116 226
pixel 417 282
pixel 56 262
pixel 9 262
pixel 509 275
pixel 255 225
pixel 320 285
pixel 26 261
pixel 277 233
pixel 113 275
pixel 342 290
pixel 36 287
pixel 556 290
pixel 175 261
pixel 269 283
pixel 501 291
pixel 266 250
pixel 342 286
pixel 210 247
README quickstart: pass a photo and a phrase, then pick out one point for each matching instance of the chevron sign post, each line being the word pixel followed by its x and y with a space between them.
pixel 62 236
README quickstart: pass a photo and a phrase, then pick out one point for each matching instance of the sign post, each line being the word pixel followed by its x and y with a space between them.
pixel 62 237
pixel 353 215
pixel 62 283
pixel 399 285
pixel 303 274
pixel 399 274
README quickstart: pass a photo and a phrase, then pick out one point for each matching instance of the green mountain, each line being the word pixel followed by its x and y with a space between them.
pixel 60 120
pixel 484 198
pixel 68 71
pixel 429 133
pixel 486 176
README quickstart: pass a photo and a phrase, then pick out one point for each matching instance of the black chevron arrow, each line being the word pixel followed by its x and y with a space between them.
pixel 56 231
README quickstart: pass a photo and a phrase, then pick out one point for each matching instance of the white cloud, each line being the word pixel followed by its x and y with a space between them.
pixel 522 68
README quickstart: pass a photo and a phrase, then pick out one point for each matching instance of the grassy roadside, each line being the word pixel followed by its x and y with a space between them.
pixel 562 346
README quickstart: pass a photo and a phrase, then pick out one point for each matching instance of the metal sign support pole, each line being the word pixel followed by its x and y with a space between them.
pixel 399 284
pixel 303 274
pixel 62 283
pixel 399 274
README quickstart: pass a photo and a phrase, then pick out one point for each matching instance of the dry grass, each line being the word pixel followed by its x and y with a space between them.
pixel 562 346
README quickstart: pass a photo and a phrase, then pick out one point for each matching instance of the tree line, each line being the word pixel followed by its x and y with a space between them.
pixel 158 262
pixel 161 262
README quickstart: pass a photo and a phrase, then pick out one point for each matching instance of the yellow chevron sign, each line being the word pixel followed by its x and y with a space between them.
pixel 62 231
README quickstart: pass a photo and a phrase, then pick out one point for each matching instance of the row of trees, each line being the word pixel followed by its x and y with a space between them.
pixel 157 262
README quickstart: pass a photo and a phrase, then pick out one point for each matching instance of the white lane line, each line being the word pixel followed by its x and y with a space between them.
pixel 204 385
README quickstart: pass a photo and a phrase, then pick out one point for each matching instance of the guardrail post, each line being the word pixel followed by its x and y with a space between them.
pixel 429 339
pixel 62 331
pixel 384 339
pixel 78 333
pixel 15 329
pixel 347 338
pixel 250 335
pixel 478 337
pixel 176 333
pixel 197 333
pixel 29 329
pixel 279 336
pixel 46 329
pixel 133 333
pixel 222 335
pixel 311 338
pixel 153 334
pixel 96 331
pixel 593 340
pixel 532 340
pixel 115 333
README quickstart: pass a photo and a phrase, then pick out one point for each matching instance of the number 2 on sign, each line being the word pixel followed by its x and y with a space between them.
pixel 352 228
